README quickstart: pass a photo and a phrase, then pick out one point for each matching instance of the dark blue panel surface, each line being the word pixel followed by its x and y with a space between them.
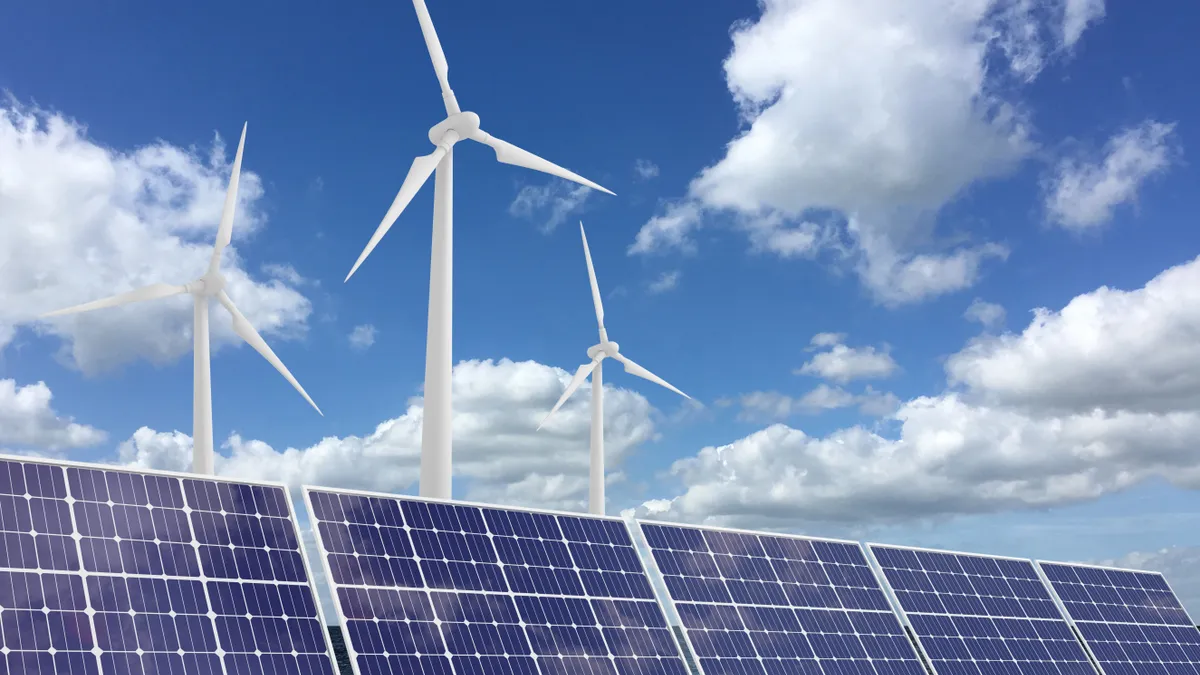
pixel 120 572
pixel 981 615
pixel 440 588
pixel 1131 620
pixel 758 604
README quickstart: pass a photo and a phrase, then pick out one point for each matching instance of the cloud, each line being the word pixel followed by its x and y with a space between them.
pixel 923 104
pixel 1077 16
pixel 843 364
pixel 555 201
pixel 1179 564
pixel 665 282
pixel 987 314
pixel 27 421
pixel 645 169
pixel 772 405
pixel 362 337
pixel 1089 400
pixel 1082 195
pixel 79 222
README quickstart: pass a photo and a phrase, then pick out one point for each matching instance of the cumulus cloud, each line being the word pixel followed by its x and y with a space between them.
pixel 645 169
pixel 28 421
pixel 772 405
pixel 987 314
pixel 362 337
pixel 1083 194
pixel 552 202
pixel 843 364
pixel 665 282
pixel 79 221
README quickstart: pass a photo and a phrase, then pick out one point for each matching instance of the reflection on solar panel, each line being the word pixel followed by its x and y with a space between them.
pixel 121 572
pixel 1131 621
pixel 437 588
pixel 981 615
pixel 756 604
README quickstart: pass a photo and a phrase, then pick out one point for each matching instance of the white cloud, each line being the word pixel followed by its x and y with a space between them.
pixel 28 421
pixel 362 336
pixel 1077 16
pixel 645 169
pixel 1179 564
pixel 79 222
pixel 772 405
pixel 555 201
pixel 988 314
pixel 670 230
pixel 1082 195
pixel 665 282
pixel 843 364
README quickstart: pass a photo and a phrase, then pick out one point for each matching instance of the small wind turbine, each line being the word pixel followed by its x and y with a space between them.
pixel 597 353
pixel 211 285
pixel 458 125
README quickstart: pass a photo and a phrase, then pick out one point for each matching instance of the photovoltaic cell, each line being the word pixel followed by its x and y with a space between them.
pixel 139 573
pixel 437 588
pixel 758 604
pixel 981 615
pixel 1130 620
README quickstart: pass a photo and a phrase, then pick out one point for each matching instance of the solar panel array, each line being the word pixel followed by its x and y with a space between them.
pixel 438 588
pixel 1131 621
pixel 140 573
pixel 981 615
pixel 758 604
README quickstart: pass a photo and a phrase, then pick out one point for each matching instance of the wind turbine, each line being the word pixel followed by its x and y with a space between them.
pixel 597 353
pixel 436 433
pixel 210 285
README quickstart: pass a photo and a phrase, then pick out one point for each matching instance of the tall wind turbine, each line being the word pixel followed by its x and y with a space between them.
pixel 458 125
pixel 210 285
pixel 597 353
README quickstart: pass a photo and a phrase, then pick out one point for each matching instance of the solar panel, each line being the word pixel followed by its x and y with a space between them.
pixel 148 573
pixel 1130 620
pixel 759 604
pixel 436 588
pixel 981 615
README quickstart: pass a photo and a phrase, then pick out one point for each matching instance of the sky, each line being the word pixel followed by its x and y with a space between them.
pixel 925 267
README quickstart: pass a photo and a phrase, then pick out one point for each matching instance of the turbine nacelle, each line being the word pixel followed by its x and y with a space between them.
pixel 604 350
pixel 207 286
pixel 466 124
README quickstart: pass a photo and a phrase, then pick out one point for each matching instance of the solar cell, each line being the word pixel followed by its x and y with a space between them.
pixel 146 573
pixel 759 604
pixel 1130 620
pixel 435 587
pixel 981 615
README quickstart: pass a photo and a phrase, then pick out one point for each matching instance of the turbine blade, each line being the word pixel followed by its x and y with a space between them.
pixel 225 230
pixel 635 369
pixel 510 154
pixel 434 45
pixel 151 292
pixel 242 327
pixel 580 375
pixel 592 278
pixel 418 174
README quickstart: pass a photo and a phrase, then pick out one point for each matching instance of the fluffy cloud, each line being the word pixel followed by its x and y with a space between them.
pixel 79 222
pixel 1082 195
pixel 987 314
pixel 27 421
pixel 843 364
pixel 1179 564
pixel 665 282
pixel 773 405
pixel 362 337
pixel 1088 400
pixel 645 169
pixel 911 117
pixel 555 201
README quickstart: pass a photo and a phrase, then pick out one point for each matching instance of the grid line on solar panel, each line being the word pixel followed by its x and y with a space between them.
pixel 976 614
pixel 1130 620
pixel 116 571
pixel 763 604
pixel 440 587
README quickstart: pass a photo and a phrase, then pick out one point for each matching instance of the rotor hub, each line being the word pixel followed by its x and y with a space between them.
pixel 606 349
pixel 465 124
pixel 207 285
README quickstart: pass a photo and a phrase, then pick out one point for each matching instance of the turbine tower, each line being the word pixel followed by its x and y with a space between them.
pixel 597 353
pixel 436 429
pixel 210 285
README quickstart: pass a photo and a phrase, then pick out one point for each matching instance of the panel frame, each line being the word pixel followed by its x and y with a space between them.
pixel 96 466
pixel 667 600
pixel 324 554
pixel 929 661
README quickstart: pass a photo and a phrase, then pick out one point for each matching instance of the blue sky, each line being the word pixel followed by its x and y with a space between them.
pixel 891 168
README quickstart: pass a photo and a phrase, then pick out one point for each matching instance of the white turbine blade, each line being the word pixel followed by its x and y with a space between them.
pixel 151 292
pixel 592 278
pixel 635 369
pixel 510 154
pixel 440 66
pixel 242 327
pixel 418 174
pixel 225 230
pixel 580 375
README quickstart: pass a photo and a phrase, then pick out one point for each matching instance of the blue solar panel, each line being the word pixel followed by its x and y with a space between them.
pixel 146 573
pixel 981 615
pixel 437 588
pixel 758 604
pixel 1130 620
